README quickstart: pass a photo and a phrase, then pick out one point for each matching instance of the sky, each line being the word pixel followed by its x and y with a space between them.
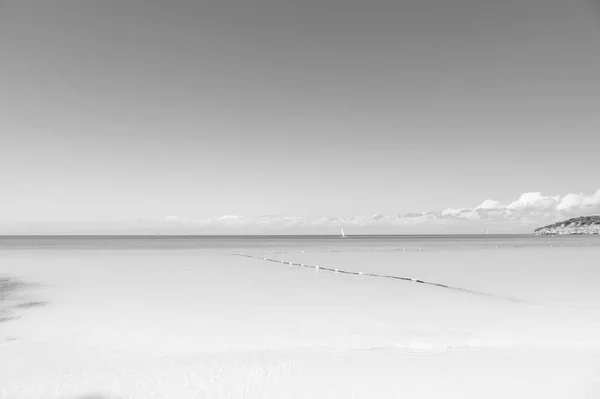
pixel 253 116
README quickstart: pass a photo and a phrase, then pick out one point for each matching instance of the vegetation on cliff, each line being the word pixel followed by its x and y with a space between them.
pixel 580 225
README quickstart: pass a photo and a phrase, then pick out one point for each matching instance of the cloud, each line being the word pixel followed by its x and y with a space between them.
pixel 489 204
pixel 456 213
pixel 571 202
pixel 529 201
pixel 529 209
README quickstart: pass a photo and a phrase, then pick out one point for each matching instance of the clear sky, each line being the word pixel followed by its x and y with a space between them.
pixel 114 111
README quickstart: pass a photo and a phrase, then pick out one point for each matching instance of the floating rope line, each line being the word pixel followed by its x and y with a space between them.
pixel 414 280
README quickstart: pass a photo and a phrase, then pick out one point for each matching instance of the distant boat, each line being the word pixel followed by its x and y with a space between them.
pixel 487 232
pixel 343 235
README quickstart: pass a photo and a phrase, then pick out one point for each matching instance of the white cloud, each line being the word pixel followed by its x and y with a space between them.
pixel 452 212
pixel 534 201
pixel 489 204
pixel 531 208
pixel 579 201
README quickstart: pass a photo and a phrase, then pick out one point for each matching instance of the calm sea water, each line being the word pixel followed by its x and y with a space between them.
pixel 330 242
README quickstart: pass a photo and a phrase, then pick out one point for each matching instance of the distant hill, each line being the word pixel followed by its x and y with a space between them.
pixel 580 225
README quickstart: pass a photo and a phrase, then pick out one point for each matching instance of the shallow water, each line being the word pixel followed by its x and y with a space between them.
pixel 185 317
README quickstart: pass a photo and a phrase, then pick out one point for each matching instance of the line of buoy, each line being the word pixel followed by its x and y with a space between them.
pixel 384 276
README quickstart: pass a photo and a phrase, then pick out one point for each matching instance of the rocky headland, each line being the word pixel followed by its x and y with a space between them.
pixel 580 225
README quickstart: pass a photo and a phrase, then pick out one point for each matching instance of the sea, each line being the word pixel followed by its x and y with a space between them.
pixel 352 242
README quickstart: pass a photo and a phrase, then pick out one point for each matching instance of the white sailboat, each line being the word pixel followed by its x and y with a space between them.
pixel 343 235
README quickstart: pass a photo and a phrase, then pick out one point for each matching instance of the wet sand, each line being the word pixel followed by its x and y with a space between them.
pixel 205 323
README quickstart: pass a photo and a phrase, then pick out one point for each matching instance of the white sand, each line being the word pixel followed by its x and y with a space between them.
pixel 195 324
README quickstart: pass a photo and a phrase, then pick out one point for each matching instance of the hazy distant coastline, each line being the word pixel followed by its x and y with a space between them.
pixel 580 225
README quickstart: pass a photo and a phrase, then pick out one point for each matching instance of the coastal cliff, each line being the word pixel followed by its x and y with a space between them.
pixel 580 225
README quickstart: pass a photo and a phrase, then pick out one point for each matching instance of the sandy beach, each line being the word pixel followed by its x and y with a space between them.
pixel 179 322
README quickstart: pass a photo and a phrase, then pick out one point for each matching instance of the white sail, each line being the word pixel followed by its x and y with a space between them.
pixel 343 235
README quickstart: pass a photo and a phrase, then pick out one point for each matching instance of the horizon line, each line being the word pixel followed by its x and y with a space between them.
pixel 262 235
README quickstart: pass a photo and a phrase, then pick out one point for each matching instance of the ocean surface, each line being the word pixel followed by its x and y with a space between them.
pixel 233 242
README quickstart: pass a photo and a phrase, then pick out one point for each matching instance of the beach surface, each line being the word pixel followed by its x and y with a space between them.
pixel 168 317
